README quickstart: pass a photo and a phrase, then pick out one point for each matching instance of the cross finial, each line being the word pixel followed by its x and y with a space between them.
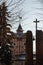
pixel 36 20
pixel 36 23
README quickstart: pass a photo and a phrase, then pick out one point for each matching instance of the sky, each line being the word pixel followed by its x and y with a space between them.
pixel 30 10
pixel 34 9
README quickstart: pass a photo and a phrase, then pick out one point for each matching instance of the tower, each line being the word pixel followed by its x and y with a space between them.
pixel 19 31
pixel 29 48
pixel 19 28
pixel 39 48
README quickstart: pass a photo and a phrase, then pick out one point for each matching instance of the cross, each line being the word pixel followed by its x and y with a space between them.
pixel 36 26
pixel 36 23
pixel 36 30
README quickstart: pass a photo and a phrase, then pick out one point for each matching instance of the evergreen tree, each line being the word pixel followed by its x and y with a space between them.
pixel 5 36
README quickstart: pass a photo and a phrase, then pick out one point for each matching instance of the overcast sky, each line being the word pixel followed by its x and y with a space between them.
pixel 32 9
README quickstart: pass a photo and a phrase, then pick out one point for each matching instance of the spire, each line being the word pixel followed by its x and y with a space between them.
pixel 19 28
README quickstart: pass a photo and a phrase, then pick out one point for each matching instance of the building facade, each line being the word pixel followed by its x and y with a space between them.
pixel 23 43
pixel 19 40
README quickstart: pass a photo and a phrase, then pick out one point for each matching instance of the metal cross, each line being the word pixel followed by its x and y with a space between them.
pixel 36 23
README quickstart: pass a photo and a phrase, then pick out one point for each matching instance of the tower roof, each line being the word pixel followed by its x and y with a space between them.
pixel 19 28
